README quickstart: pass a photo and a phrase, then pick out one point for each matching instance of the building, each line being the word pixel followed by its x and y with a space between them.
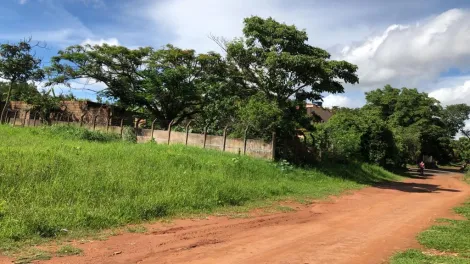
pixel 318 112
pixel 73 111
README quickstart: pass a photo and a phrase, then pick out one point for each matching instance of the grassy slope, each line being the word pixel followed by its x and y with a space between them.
pixel 453 239
pixel 51 181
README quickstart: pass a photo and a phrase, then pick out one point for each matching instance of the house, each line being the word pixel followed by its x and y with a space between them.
pixel 318 112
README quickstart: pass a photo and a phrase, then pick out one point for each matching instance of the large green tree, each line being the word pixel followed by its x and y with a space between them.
pixel 275 59
pixel 454 117
pixel 18 65
pixel 416 121
pixel 169 84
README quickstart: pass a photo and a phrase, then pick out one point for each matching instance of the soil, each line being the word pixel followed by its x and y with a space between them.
pixel 367 226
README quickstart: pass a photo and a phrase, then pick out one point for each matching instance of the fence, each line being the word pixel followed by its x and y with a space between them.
pixel 251 147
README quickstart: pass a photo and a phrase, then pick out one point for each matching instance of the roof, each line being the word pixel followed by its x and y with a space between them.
pixel 322 113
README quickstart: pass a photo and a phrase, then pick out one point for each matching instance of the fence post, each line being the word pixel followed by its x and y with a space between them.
pixel 94 122
pixel 68 119
pixel 24 119
pixel 34 121
pixel 205 136
pixel 187 131
pixel 108 120
pixel 153 127
pixel 245 139
pixel 273 146
pixel 122 125
pixel 169 131
pixel 225 138
pixel 81 119
pixel 16 115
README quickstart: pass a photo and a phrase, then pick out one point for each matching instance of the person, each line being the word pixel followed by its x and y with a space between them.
pixel 421 168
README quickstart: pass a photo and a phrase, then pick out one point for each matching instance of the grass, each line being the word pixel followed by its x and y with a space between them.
pixel 58 182
pixel 450 240
pixel 68 250
pixel 32 255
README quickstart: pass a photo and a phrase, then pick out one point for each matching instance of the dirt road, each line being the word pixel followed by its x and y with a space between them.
pixel 365 227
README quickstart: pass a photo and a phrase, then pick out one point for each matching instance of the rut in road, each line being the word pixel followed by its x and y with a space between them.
pixel 367 226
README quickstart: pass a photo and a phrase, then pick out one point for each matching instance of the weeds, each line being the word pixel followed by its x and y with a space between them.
pixel 68 250
pixel 56 179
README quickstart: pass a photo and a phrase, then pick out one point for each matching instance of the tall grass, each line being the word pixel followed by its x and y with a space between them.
pixel 61 179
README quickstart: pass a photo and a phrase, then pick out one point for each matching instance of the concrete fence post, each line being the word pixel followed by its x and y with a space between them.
pixel 187 131
pixel 24 118
pixel 34 121
pixel 169 131
pixel 14 119
pixel 225 138
pixel 205 136
pixel 108 120
pixel 81 119
pixel 273 146
pixel 94 122
pixel 122 125
pixel 245 139
pixel 153 128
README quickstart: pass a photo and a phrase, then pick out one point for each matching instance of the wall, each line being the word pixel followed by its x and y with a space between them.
pixel 254 147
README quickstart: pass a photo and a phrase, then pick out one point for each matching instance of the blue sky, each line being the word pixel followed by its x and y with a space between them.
pixel 419 43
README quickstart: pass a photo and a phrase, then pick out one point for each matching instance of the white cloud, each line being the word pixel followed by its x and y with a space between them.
pixel 110 41
pixel 341 101
pixel 412 54
pixel 191 22
pixel 453 95
pixel 22 2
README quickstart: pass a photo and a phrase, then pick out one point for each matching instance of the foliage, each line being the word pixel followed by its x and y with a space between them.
pixel 52 182
pixel 78 133
pixel 357 135
pixel 129 135
pixel 167 84
pixel 415 119
pixel 275 60
pixel 462 149
pixel 18 65
pixel 260 116
pixel 20 91
pixel 454 117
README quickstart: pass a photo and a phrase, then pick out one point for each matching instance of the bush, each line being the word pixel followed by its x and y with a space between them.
pixel 129 135
pixel 74 133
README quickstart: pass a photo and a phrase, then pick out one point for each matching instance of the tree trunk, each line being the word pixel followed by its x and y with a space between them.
pixel 7 101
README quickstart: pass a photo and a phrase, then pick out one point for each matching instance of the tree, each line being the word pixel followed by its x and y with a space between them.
pixel 462 149
pixel 20 91
pixel 454 117
pixel 358 135
pixel 119 68
pixel 275 59
pixel 169 84
pixel 178 82
pixel 18 65
pixel 415 120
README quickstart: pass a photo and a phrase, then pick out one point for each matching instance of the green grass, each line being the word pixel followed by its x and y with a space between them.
pixel 414 256
pixel 60 182
pixel 68 250
pixel 452 238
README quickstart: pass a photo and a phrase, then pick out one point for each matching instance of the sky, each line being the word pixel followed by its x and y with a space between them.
pixel 420 44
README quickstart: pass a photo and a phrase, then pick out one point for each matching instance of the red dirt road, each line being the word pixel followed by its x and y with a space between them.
pixel 365 227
